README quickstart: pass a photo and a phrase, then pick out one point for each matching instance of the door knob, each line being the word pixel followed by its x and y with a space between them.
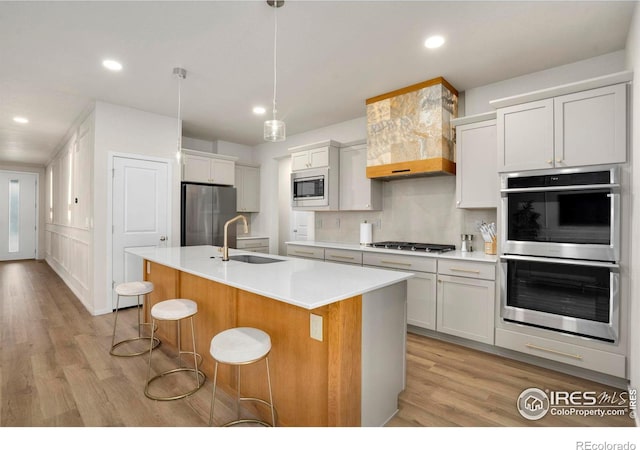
pixel 163 238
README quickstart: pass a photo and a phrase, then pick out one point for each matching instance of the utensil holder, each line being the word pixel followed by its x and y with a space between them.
pixel 490 247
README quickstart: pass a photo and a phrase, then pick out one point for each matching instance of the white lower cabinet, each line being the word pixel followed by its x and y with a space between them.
pixel 258 245
pixel 343 256
pixel 575 355
pixel 466 307
pixel 303 251
pixel 421 289
pixel 466 296
pixel 421 300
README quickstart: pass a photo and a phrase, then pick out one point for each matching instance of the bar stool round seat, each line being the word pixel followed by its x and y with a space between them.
pixel 176 310
pixel 238 347
pixel 131 289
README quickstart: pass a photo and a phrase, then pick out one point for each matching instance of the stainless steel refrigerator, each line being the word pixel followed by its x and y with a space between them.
pixel 204 210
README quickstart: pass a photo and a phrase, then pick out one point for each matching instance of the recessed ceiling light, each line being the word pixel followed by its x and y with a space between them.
pixel 259 110
pixel 112 65
pixel 434 42
pixel 21 119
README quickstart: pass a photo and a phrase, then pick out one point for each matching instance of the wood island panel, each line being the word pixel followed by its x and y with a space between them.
pixel 315 383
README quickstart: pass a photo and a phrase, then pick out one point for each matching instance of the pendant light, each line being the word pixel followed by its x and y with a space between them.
pixel 180 74
pixel 274 130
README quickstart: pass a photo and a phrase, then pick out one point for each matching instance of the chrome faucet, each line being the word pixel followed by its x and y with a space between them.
pixel 225 247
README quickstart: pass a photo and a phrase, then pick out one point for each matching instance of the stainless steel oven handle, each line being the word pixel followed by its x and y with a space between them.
pixel 584 187
pixel 576 262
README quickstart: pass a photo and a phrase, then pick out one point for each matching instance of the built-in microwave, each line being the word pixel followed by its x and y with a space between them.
pixel 562 213
pixel 311 189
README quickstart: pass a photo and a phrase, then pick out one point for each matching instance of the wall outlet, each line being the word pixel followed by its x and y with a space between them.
pixel 379 224
pixel 315 327
pixel 338 223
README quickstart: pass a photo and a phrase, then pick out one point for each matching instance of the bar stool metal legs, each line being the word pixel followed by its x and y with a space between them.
pixel 176 310
pixel 239 347
pixel 137 289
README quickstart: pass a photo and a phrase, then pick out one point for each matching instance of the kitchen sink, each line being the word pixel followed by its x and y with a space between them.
pixel 254 259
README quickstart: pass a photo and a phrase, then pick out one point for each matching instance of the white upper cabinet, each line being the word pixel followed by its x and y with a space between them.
pixel 248 188
pixel 591 127
pixel 309 159
pixel 202 168
pixel 311 156
pixel 578 129
pixel 476 164
pixel 357 192
pixel 525 136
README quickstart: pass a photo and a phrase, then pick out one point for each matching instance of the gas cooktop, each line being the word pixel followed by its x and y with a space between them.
pixel 413 246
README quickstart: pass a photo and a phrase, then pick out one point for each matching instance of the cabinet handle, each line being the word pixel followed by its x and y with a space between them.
pixel 396 263
pixel 549 161
pixel 341 257
pixel 302 253
pixel 555 352
pixel 454 269
pixel 559 160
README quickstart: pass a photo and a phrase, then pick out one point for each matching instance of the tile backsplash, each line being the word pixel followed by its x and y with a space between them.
pixel 414 209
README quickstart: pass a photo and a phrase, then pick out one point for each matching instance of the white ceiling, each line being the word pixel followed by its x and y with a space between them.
pixel 331 57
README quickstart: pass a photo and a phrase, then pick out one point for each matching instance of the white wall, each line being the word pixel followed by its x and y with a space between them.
pixel 125 130
pixel 633 63
pixel 476 100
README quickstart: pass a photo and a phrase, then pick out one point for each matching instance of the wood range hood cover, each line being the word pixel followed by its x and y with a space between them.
pixel 409 131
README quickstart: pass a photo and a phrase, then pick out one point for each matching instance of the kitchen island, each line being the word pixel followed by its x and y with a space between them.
pixel 338 332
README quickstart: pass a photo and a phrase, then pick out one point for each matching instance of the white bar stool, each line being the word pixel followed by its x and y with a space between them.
pixel 239 347
pixel 175 310
pixel 131 289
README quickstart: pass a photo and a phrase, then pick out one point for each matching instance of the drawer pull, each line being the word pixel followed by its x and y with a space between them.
pixel 454 269
pixel 341 257
pixel 300 252
pixel 396 263
pixel 556 352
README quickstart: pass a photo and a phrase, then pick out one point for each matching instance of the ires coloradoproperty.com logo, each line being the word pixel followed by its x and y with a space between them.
pixel 534 403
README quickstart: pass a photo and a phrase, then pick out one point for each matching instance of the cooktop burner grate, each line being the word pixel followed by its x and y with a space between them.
pixel 414 246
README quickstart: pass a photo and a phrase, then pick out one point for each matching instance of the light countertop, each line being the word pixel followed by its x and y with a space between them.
pixel 305 283
pixel 455 254
pixel 246 236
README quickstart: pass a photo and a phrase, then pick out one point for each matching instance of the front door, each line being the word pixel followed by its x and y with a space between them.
pixel 140 215
pixel 18 208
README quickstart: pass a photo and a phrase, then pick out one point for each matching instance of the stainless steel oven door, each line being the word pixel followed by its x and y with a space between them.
pixel 577 297
pixel 309 188
pixel 579 221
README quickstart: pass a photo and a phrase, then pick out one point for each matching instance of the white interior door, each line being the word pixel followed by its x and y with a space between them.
pixel 18 212
pixel 140 215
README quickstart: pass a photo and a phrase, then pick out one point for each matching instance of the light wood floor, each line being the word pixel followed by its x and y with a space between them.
pixel 55 370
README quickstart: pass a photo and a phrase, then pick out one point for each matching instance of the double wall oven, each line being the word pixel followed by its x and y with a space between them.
pixel 560 250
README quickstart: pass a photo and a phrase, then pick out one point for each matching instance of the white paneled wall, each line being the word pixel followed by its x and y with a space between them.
pixel 68 234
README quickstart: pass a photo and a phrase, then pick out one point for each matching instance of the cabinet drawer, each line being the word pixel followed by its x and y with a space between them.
pixel 250 244
pixel 485 271
pixel 587 358
pixel 302 251
pixel 393 261
pixel 343 256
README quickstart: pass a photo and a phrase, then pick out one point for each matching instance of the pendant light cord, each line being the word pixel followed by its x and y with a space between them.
pixel 275 60
pixel 179 117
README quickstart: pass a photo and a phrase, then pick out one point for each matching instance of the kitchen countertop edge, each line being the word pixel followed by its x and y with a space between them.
pixel 455 254
pixel 272 282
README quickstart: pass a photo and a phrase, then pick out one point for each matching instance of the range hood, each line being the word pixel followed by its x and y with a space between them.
pixel 409 131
